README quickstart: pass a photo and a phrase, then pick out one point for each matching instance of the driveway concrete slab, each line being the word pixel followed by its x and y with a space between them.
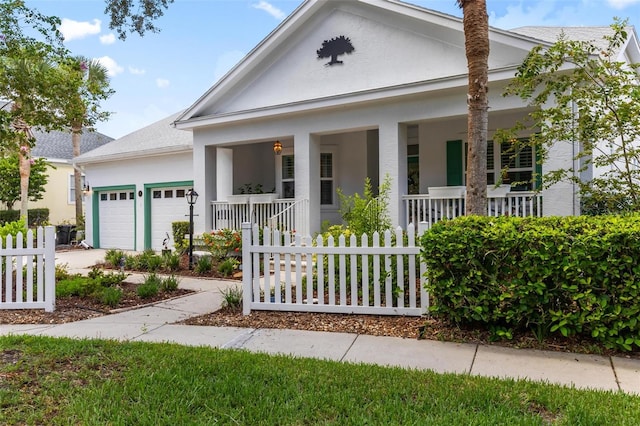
pixel 216 337
pixel 441 357
pixel 308 344
pixel 628 374
pixel 581 371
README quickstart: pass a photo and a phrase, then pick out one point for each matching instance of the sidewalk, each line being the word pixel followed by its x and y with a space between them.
pixel 155 324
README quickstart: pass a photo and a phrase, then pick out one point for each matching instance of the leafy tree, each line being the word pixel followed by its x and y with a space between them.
pixel 27 81
pixel 85 85
pixel 10 178
pixel 584 95
pixel 476 40
pixel 134 15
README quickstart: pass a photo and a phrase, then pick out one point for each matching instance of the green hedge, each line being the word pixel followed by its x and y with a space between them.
pixel 37 217
pixel 572 275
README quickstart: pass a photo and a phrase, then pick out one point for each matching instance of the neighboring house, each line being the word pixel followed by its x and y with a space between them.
pixel 57 149
pixel 350 89
pixel 138 184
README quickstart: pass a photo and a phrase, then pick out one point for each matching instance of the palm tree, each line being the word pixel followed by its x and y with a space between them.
pixel 87 85
pixel 476 37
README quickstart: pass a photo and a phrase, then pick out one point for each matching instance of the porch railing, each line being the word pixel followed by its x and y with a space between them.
pixel 433 208
pixel 284 214
pixel 293 218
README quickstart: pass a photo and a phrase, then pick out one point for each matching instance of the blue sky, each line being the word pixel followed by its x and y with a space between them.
pixel 200 40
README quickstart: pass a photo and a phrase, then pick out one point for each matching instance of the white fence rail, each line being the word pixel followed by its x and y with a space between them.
pixel 431 209
pixel 294 273
pixel 28 272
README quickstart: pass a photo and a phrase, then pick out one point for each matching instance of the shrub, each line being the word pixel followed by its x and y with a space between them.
pixel 113 257
pixel 228 266
pixel 204 265
pixel 180 229
pixel 150 287
pixel 221 242
pixel 573 275
pixel 232 297
pixel 170 284
pixel 62 271
pixel 13 228
pixel 76 286
pixel 172 261
pixel 148 260
pixel 368 213
pixel 110 296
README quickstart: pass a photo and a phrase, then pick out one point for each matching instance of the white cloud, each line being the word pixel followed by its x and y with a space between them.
pixel 270 9
pixel 136 71
pixel 108 38
pixel 162 82
pixel 111 65
pixel 72 30
pixel 225 62
pixel 621 4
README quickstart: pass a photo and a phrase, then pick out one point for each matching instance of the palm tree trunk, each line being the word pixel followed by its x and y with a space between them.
pixel 476 35
pixel 25 171
pixel 76 135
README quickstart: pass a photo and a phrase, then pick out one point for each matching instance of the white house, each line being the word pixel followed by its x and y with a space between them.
pixel 137 187
pixel 390 101
pixel 340 91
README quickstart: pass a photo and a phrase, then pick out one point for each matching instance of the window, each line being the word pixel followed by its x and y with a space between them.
pixel 326 179
pixel 157 194
pixel 72 188
pixel 180 193
pixel 113 196
pixel 168 193
pixel 123 195
pixel 103 197
pixel 288 175
pixel 519 158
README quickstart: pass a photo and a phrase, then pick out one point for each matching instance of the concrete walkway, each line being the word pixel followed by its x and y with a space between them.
pixel 155 324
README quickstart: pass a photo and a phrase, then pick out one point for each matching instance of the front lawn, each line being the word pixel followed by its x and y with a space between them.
pixel 62 381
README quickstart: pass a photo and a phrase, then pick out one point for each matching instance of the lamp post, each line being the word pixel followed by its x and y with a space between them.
pixel 192 197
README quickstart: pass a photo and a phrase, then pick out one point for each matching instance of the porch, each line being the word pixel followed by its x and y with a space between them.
pixel 439 203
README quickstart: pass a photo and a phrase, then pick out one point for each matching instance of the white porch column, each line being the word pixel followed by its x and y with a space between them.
pixel 393 163
pixel 560 199
pixel 204 183
pixel 307 175
pixel 224 173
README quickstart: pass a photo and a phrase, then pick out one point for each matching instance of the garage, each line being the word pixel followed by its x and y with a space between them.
pixel 117 219
pixel 168 205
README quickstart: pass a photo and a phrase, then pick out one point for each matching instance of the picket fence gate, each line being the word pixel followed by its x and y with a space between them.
pixel 296 273
pixel 28 273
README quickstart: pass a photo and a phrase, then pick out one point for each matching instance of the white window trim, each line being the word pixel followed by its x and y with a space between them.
pixel 71 189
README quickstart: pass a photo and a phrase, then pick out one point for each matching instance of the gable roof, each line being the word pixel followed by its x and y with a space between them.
pixel 158 138
pixel 270 80
pixel 57 145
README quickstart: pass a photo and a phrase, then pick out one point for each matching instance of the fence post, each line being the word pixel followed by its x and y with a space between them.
pixel 247 268
pixel 50 268
pixel 424 295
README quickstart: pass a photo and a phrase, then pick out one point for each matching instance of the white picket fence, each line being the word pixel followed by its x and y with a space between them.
pixel 28 273
pixel 295 273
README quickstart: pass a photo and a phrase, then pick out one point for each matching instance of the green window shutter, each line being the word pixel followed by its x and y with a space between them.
pixel 454 163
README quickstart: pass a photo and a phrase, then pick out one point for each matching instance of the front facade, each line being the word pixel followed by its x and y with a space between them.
pixel 138 186
pixel 350 90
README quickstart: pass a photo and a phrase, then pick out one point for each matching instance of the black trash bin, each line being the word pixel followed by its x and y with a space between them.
pixel 63 234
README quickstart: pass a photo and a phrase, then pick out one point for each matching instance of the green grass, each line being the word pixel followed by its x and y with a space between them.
pixel 94 382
